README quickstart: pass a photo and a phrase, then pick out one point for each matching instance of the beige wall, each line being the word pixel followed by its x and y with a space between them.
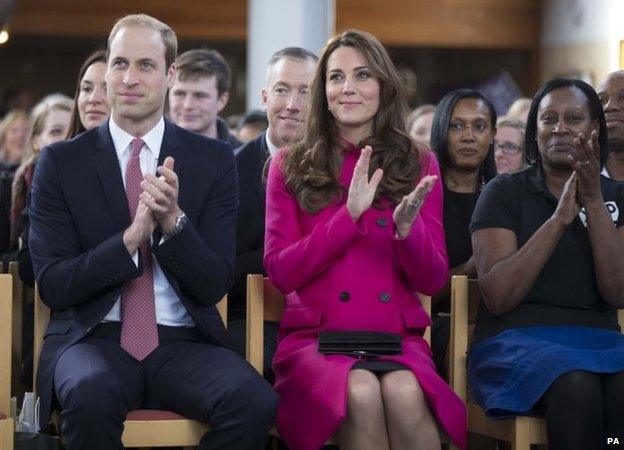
pixel 420 23
pixel 191 19
pixel 581 38
pixel 445 23
pixel 588 61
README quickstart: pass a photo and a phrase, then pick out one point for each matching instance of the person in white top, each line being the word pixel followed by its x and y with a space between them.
pixel 133 241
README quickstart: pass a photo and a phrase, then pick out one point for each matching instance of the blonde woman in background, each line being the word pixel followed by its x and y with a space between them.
pixel 419 123
pixel 519 109
pixel 509 145
pixel 13 134
pixel 50 123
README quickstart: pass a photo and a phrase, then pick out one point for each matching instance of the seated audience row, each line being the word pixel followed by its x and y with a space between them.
pixel 132 241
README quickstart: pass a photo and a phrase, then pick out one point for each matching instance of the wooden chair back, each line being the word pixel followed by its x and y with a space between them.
pixel 465 298
pixel 264 303
pixel 522 431
pixel 7 425
pixel 6 335
pixel 20 297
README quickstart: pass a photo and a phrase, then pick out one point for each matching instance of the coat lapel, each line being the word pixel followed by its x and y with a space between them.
pixel 107 167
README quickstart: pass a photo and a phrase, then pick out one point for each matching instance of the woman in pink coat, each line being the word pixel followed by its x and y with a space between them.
pixel 351 250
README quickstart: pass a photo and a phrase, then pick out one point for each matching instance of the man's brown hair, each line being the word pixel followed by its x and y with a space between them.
pixel 143 20
pixel 203 63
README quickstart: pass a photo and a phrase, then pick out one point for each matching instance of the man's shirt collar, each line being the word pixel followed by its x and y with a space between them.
pixel 121 138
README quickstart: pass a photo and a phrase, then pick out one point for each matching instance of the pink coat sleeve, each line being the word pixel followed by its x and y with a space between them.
pixel 292 258
pixel 422 254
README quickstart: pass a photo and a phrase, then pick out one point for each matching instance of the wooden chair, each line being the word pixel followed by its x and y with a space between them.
pixel 266 303
pixel 7 425
pixel 143 427
pixel 20 296
pixel 522 431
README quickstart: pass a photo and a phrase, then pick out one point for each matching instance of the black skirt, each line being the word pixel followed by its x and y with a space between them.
pixel 378 367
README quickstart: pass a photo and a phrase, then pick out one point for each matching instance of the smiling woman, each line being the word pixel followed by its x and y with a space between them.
pixel 90 102
pixel 549 245
pixel 50 122
pixel 353 231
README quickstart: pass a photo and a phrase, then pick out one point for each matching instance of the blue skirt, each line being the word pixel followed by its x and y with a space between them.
pixel 510 372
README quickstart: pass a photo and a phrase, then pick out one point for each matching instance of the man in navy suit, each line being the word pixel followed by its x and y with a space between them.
pixel 132 242
pixel 284 96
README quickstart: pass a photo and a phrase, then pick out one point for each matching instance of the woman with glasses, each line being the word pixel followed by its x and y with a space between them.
pixel 463 137
pixel 509 145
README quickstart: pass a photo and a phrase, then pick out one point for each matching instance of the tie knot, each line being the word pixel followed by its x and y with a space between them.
pixel 136 145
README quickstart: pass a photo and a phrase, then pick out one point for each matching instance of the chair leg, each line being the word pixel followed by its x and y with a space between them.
pixel 521 439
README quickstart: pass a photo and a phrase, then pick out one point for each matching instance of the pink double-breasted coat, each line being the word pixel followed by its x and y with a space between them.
pixel 341 275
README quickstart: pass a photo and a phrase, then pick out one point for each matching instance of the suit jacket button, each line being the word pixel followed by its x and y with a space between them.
pixel 345 296
pixel 382 222
pixel 384 297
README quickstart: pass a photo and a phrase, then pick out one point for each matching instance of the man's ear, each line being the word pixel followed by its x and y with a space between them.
pixel 171 74
pixel 223 99
pixel 264 95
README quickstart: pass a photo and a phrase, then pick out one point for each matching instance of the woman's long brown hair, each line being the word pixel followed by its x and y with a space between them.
pixel 75 125
pixel 312 167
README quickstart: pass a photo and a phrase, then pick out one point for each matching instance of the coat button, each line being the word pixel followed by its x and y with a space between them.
pixel 345 296
pixel 384 297
pixel 382 222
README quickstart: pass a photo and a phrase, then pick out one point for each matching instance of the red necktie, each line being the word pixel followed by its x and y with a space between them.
pixel 139 334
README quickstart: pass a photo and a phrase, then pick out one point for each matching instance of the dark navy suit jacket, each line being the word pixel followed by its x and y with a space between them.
pixel 250 160
pixel 78 213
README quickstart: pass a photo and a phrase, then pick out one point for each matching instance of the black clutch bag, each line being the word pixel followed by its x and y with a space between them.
pixel 359 343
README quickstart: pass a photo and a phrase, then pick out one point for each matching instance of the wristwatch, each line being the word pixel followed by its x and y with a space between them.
pixel 180 223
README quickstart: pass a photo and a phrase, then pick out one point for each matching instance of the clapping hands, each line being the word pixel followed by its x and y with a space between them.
pixel 362 190
pixel 362 193
pixel 406 212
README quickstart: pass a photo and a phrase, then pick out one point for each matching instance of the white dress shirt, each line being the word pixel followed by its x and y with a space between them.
pixel 272 148
pixel 169 310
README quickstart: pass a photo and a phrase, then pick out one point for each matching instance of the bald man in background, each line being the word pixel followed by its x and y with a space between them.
pixel 611 94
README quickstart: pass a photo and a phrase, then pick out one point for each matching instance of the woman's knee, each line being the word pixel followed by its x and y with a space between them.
pixel 576 391
pixel 363 390
pixel 402 393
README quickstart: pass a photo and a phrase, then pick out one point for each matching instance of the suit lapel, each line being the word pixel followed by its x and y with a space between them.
pixel 170 147
pixel 263 156
pixel 107 167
